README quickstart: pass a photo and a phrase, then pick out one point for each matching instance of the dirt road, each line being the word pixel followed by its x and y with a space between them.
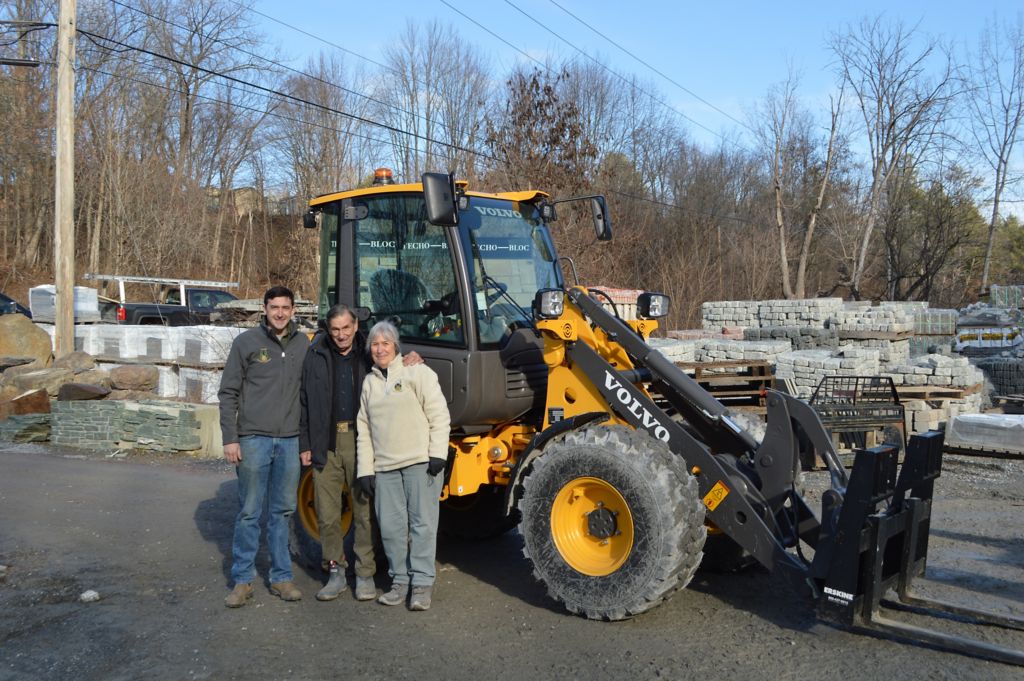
pixel 152 536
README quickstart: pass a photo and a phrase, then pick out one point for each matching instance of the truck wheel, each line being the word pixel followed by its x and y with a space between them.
pixel 477 516
pixel 612 522
pixel 305 533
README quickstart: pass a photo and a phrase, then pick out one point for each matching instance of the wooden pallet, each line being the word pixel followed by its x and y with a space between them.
pixel 875 335
pixel 935 392
pixel 1010 404
pixel 735 383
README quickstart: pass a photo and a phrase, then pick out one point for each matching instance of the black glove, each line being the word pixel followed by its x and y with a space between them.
pixel 435 466
pixel 367 485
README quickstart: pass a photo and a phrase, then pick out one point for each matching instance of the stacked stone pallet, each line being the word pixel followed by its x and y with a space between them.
pixel 938 371
pixel 722 313
pixel 1007 296
pixel 752 351
pixel 805 368
pixel 934 329
pixel 676 350
pixel 892 352
pixel 800 337
pixel 880 320
pixel 878 328
pixel 805 312
pixel 1005 373
pixel 188 358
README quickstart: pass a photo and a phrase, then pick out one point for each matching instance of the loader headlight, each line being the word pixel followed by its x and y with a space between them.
pixel 652 305
pixel 549 303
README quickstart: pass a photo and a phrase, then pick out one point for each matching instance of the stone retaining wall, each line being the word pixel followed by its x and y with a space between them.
pixel 100 424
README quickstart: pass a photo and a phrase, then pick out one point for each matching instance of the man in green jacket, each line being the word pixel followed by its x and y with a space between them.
pixel 259 421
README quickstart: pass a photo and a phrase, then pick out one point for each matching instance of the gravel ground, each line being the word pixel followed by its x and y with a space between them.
pixel 151 534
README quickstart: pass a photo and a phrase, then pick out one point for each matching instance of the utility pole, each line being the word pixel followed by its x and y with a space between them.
pixel 64 190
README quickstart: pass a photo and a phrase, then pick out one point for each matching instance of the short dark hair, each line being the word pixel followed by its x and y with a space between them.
pixel 339 310
pixel 278 292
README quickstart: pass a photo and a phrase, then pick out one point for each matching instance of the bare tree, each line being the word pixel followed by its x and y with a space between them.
pixel 433 95
pixel 799 173
pixel 926 227
pixel 901 108
pixel 996 82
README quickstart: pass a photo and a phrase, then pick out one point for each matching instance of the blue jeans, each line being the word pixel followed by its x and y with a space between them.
pixel 408 502
pixel 268 472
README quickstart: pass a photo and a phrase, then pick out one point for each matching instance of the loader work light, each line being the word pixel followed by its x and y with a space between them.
pixel 652 305
pixel 549 303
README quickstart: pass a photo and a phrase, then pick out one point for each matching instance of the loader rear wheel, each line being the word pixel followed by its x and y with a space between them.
pixel 612 522
pixel 305 530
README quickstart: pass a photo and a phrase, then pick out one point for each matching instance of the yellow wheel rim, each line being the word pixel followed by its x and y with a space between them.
pixel 305 506
pixel 592 526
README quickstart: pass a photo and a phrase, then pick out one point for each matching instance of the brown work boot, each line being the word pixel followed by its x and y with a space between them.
pixel 239 596
pixel 286 591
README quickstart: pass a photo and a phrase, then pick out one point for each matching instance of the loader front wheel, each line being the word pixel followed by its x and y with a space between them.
pixel 612 522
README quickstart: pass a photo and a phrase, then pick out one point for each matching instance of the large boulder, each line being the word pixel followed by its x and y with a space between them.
pixel 49 380
pixel 31 402
pixel 7 377
pixel 133 395
pixel 19 337
pixel 134 377
pixel 81 391
pixel 77 361
pixel 100 377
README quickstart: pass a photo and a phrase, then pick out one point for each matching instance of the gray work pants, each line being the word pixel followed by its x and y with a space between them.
pixel 408 502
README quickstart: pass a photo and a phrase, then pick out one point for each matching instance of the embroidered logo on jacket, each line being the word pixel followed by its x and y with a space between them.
pixel 263 356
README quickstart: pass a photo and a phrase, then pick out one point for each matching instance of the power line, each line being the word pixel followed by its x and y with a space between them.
pixel 279 64
pixel 315 37
pixel 652 68
pixel 682 209
pixel 291 97
pixel 621 77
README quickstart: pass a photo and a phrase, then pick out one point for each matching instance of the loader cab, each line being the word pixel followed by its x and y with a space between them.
pixel 459 292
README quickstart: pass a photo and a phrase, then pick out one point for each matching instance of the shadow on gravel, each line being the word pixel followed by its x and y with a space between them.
pixel 215 520
pixel 1005 546
pixel 498 561
pixel 764 595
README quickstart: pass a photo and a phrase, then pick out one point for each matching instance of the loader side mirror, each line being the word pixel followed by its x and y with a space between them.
pixel 602 221
pixel 309 220
pixel 439 194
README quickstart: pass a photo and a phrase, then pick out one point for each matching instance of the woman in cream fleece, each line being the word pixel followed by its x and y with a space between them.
pixel 402 447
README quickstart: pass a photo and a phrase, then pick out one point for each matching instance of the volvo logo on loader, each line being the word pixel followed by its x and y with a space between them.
pixel 649 421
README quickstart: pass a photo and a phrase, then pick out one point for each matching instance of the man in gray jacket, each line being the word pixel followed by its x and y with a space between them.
pixel 259 421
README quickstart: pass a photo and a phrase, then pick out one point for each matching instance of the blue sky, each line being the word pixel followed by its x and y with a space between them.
pixel 727 53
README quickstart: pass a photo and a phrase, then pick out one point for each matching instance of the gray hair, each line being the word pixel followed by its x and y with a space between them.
pixel 339 310
pixel 384 329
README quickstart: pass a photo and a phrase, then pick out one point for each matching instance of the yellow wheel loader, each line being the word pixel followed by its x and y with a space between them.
pixel 622 474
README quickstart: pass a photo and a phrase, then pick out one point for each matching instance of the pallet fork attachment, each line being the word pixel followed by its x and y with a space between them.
pixel 876 541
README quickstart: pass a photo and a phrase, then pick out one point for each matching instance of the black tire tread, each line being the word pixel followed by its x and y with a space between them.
pixel 673 551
